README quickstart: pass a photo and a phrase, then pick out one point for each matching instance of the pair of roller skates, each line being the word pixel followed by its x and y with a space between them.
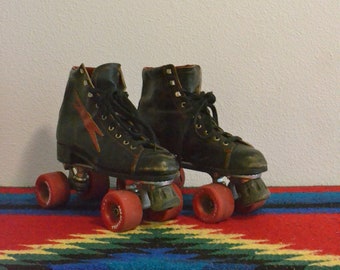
pixel 100 133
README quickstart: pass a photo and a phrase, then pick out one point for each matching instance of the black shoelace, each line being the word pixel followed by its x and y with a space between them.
pixel 115 102
pixel 202 106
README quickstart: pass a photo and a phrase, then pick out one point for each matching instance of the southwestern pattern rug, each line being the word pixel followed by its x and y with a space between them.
pixel 298 228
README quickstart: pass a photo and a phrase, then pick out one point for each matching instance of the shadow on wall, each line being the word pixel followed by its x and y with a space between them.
pixel 39 156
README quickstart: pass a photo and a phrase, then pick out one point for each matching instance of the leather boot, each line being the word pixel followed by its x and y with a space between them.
pixel 99 128
pixel 185 121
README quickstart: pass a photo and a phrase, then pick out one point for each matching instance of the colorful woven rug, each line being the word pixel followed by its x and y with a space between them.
pixel 298 228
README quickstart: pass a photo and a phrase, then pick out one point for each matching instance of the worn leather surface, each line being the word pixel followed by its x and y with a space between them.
pixel 93 132
pixel 170 103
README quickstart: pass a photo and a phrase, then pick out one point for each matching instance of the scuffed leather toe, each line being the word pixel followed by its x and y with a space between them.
pixel 157 165
pixel 246 160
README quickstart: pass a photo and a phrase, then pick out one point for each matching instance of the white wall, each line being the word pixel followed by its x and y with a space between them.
pixel 273 65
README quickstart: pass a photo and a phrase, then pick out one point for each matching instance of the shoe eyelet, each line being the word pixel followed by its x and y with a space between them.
pixel 104 117
pixel 198 126
pixel 183 104
pixel 81 70
pixel 90 95
pixel 172 82
pixel 132 147
pixel 217 139
pixel 118 136
pixel 225 143
pixel 178 94
pixel 85 82
pixel 126 142
pixel 168 71
pixel 111 128
pixel 206 133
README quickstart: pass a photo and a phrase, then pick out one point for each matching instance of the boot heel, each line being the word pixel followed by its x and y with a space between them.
pixel 64 153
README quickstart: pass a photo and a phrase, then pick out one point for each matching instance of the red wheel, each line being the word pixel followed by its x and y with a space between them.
pixel 169 213
pixel 180 180
pixel 250 208
pixel 99 185
pixel 52 190
pixel 121 210
pixel 213 203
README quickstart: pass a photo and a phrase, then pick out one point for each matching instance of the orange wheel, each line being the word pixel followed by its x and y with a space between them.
pixel 213 203
pixel 180 180
pixel 250 208
pixel 99 185
pixel 52 190
pixel 121 210
pixel 169 213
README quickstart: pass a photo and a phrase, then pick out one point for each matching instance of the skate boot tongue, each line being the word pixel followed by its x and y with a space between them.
pixel 190 77
pixel 108 76
pixel 109 81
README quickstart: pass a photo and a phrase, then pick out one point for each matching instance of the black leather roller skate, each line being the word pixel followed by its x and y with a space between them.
pixel 184 120
pixel 100 134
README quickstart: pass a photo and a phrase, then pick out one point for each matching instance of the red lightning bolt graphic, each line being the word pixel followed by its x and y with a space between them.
pixel 88 122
